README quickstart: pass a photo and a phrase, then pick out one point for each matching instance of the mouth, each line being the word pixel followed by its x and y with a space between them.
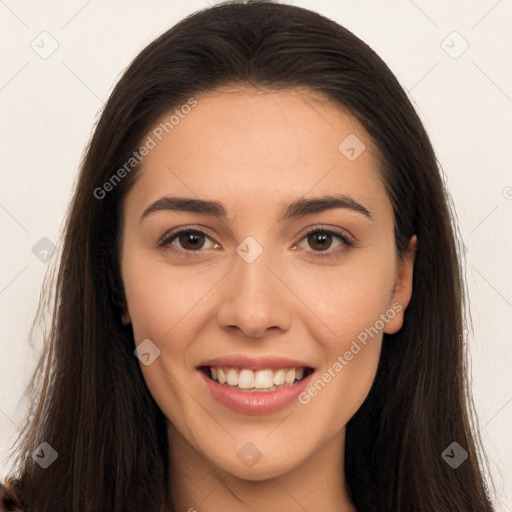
pixel 259 380
pixel 255 385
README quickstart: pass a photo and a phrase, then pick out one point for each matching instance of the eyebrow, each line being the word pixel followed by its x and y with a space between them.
pixel 297 208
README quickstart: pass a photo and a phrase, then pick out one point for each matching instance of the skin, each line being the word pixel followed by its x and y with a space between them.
pixel 256 151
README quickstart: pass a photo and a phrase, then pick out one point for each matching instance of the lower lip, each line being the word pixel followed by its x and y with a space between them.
pixel 255 402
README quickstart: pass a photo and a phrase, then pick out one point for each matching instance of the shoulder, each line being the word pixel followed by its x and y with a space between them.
pixel 8 501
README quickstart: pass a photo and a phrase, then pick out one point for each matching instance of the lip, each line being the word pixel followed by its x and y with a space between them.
pixel 255 402
pixel 255 362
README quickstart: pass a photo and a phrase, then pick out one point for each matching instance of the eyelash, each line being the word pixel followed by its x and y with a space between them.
pixel 346 241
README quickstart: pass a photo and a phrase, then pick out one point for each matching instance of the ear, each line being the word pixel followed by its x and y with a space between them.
pixel 402 290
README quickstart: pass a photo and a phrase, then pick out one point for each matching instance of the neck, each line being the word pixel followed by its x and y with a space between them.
pixel 197 485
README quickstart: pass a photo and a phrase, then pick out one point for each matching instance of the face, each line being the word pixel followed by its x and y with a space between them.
pixel 237 267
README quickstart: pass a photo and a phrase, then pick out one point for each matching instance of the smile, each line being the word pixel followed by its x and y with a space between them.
pixel 265 380
pixel 254 386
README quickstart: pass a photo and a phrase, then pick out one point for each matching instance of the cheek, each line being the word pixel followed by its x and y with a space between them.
pixel 353 305
pixel 165 307
pixel 349 301
pixel 351 348
pixel 338 391
pixel 164 302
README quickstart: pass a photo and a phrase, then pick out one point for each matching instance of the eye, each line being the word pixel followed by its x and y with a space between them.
pixel 321 240
pixel 186 240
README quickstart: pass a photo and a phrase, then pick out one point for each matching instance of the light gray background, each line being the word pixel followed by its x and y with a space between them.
pixel 49 105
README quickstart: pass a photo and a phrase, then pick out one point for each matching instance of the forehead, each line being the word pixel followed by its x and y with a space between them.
pixel 255 144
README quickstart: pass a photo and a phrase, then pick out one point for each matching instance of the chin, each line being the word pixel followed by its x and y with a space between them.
pixel 264 469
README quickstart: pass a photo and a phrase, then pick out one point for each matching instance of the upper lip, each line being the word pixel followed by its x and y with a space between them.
pixel 254 362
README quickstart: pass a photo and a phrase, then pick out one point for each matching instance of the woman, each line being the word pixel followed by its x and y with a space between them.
pixel 259 302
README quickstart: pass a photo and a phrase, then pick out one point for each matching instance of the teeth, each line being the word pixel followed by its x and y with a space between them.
pixel 246 379
pixel 232 377
pixel 290 376
pixel 279 377
pixel 256 380
pixel 263 379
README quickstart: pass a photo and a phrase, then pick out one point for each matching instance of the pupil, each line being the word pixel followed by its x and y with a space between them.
pixel 191 239
pixel 321 238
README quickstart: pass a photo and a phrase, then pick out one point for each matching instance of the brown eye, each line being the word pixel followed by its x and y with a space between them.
pixel 191 240
pixel 187 241
pixel 326 243
pixel 320 240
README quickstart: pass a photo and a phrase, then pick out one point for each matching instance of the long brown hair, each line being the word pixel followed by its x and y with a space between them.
pixel 89 398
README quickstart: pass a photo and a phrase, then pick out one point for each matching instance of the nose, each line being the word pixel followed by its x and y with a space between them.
pixel 255 299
